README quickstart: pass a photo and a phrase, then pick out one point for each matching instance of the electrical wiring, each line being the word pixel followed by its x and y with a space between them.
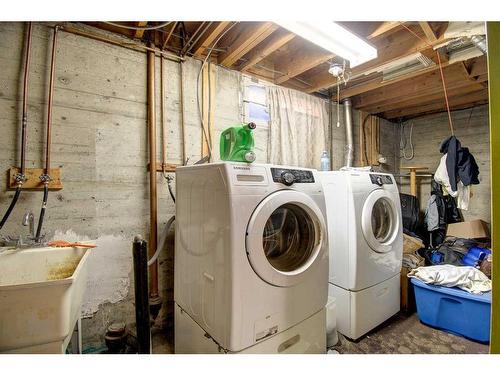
pixel 403 142
pixel 139 28
pixel 206 135
pixel 450 122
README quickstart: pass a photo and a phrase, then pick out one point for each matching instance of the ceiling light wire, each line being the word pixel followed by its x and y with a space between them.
pixel 450 122
pixel 205 133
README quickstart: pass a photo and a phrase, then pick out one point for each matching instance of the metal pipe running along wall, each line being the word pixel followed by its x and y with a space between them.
pixel 45 177
pixel 153 205
pixel 349 151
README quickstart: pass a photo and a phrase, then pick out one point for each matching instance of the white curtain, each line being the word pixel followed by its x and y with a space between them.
pixel 298 128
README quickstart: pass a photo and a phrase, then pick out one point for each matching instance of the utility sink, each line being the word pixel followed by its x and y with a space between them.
pixel 41 293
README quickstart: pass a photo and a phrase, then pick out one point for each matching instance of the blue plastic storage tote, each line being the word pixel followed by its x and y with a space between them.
pixel 454 310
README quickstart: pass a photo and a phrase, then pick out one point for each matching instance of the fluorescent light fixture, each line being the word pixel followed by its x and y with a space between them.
pixel 334 38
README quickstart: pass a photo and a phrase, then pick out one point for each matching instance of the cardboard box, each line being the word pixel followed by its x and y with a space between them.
pixel 469 229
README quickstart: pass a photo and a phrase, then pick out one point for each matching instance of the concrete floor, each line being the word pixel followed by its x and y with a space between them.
pixel 401 334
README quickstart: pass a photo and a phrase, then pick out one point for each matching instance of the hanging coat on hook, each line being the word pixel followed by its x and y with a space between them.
pixel 460 163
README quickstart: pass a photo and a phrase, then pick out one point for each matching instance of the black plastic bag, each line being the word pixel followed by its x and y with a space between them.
pixel 409 210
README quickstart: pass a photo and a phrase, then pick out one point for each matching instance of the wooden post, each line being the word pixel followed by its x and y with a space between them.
pixel 413 178
pixel 494 83
pixel 208 108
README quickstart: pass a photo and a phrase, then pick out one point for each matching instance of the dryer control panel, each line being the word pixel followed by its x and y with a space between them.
pixel 290 176
pixel 380 179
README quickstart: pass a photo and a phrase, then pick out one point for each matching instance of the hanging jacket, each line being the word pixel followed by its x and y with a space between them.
pixel 462 193
pixel 460 163
pixel 435 214
pixel 441 210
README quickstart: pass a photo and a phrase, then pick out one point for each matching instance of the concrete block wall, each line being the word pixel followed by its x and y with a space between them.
pixel 472 129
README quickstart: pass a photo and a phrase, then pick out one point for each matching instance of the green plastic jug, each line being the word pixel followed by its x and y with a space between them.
pixel 237 142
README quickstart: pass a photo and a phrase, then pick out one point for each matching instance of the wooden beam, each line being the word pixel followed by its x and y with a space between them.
pixel 429 33
pixel 213 32
pixel 169 35
pixel 249 37
pixel 471 98
pixel 426 84
pixel 422 95
pixel 423 98
pixel 478 67
pixel 384 28
pixel 208 108
pixel 277 40
pixel 139 33
pixel 378 82
pixel 300 57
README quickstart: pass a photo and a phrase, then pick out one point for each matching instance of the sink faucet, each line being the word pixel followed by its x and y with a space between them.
pixel 29 219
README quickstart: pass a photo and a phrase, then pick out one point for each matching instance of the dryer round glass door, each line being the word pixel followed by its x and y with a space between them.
pixel 380 221
pixel 284 237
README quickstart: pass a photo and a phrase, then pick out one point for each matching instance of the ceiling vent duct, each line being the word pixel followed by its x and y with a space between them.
pixel 405 66
pixel 466 48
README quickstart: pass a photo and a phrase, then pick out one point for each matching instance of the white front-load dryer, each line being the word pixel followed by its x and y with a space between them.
pixel 366 247
pixel 251 254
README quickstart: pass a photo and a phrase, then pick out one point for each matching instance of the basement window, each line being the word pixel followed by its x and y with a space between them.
pixel 255 103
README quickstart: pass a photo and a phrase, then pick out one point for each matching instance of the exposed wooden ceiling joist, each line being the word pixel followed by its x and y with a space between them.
pixel 383 28
pixel 264 50
pixel 277 40
pixel 209 37
pixel 139 33
pixel 420 88
pixel 301 57
pixel 434 96
pixel 456 102
pixel 429 33
pixel 249 37
pixel 478 67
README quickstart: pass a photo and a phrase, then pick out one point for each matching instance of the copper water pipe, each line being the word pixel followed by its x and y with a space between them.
pixel 183 128
pixel 163 122
pixel 49 106
pixel 153 206
pixel 25 101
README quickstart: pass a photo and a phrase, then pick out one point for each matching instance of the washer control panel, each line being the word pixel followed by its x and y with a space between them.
pixel 290 176
pixel 380 179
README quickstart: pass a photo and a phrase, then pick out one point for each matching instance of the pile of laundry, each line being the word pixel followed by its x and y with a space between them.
pixel 457 262
pixel 469 279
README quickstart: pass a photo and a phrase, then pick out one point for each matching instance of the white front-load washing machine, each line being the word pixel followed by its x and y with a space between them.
pixel 251 259
pixel 366 248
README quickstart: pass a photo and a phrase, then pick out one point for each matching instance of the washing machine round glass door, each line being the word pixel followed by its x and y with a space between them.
pixel 380 221
pixel 285 236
